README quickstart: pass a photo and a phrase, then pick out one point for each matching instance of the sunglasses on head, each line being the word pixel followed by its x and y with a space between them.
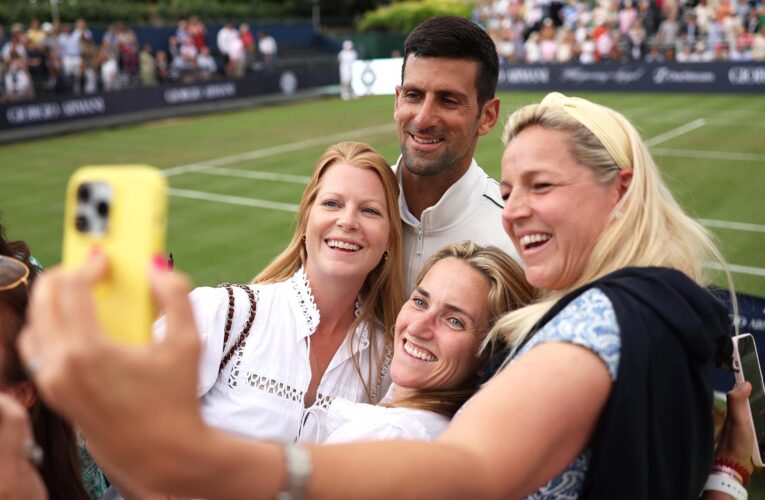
pixel 13 273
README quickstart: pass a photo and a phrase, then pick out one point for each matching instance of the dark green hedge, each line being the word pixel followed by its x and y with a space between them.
pixel 132 12
pixel 404 16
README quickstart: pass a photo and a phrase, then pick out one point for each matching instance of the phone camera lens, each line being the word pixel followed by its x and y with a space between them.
pixel 102 208
pixel 81 223
pixel 83 193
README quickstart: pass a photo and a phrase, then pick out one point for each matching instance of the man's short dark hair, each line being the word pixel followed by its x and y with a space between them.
pixel 457 38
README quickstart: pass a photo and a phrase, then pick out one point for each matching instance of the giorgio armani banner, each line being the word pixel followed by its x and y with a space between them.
pixel 28 114
pixel 689 77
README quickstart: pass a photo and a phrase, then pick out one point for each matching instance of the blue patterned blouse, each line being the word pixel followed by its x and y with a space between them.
pixel 588 321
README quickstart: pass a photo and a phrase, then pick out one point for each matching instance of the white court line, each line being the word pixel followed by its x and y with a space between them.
pixel 287 207
pixel 277 150
pixel 737 226
pixel 710 155
pixel 675 132
pixel 232 200
pixel 735 268
pixel 255 174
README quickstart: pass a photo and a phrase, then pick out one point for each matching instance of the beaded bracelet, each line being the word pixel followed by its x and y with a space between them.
pixel 746 476
pixel 723 484
pixel 724 470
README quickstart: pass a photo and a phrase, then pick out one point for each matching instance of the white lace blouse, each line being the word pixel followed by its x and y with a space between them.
pixel 260 391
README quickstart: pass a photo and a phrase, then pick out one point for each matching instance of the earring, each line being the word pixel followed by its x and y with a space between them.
pixel 385 255
pixel 303 237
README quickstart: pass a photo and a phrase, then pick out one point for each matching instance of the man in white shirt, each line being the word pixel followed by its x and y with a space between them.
pixel 225 38
pixel 444 104
pixel 267 48
pixel 345 59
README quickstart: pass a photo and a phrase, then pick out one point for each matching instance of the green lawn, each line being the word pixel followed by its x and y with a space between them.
pixel 715 168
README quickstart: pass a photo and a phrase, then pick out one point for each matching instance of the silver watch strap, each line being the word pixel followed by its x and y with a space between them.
pixel 298 470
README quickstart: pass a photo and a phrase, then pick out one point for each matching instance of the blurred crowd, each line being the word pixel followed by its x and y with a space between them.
pixel 60 58
pixel 547 31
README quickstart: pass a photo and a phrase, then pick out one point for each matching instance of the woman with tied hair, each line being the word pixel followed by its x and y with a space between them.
pixel 601 393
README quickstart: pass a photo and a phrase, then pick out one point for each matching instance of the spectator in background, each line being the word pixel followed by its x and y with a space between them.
pixel 636 41
pixel 267 48
pixel 627 17
pixel 163 66
pixel 649 15
pixel 184 63
pixel 128 58
pixel 548 45
pixel 703 13
pixel 81 29
pixel 587 50
pixel 88 58
pixel 654 56
pixel 225 37
pixel 345 58
pixel 669 29
pixel 148 67
pixel 35 32
pixel 237 58
pixel 715 35
pixel 182 31
pixel 752 21
pixel 15 45
pixel 758 45
pixel 567 46
pixel 531 50
pixel 18 83
pixel 741 50
pixel 206 67
pixel 685 54
pixel 197 32
pixel 37 65
pixel 71 61
pixel 505 47
pixel 690 31
pixel 248 40
pixel 107 60
pixel 606 49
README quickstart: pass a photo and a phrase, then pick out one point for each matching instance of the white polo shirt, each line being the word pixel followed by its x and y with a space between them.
pixel 471 209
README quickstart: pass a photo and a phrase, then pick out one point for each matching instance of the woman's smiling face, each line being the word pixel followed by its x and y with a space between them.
pixel 348 225
pixel 440 328
pixel 555 208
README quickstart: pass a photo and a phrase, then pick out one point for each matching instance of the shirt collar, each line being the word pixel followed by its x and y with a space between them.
pixel 311 314
pixel 451 208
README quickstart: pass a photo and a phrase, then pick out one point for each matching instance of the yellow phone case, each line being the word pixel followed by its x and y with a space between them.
pixel 134 233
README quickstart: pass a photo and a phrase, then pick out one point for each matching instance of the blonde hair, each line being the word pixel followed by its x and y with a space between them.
pixel 508 290
pixel 647 226
pixel 383 289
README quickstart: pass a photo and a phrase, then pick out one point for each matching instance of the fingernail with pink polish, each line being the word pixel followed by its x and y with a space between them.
pixel 159 262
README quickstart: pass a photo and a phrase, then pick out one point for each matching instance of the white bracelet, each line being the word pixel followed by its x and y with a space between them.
pixel 724 484
pixel 298 470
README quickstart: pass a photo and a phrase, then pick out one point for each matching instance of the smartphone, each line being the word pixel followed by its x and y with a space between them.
pixel 746 366
pixel 122 211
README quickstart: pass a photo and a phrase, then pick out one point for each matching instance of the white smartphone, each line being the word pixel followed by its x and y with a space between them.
pixel 746 366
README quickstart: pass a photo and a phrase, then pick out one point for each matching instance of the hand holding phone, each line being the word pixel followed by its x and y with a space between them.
pixel 121 211
pixel 746 366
